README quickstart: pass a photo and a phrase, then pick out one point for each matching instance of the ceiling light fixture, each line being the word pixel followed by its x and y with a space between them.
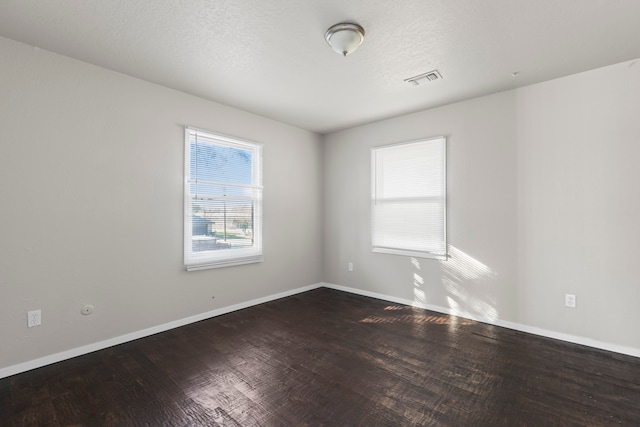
pixel 344 38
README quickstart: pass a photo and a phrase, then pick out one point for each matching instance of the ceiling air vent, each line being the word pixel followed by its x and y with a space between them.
pixel 429 76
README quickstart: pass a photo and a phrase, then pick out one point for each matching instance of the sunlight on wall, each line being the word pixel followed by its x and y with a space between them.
pixel 417 280
pixel 419 296
pixel 465 303
pixel 455 307
pixel 467 283
pixel 462 278
pixel 415 263
pixel 464 267
pixel 418 293
pixel 458 269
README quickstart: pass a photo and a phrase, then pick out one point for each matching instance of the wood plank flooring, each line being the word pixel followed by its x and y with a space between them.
pixel 328 358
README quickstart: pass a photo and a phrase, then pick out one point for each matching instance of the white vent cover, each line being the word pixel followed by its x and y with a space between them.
pixel 429 76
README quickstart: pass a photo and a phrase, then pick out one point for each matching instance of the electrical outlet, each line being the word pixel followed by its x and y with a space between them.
pixel 570 300
pixel 34 318
pixel 350 266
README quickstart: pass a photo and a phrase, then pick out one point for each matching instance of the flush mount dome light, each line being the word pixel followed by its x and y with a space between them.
pixel 344 38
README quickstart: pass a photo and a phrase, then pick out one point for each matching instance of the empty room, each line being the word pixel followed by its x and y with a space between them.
pixel 319 213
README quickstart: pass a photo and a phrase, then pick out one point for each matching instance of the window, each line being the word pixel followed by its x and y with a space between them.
pixel 408 192
pixel 223 201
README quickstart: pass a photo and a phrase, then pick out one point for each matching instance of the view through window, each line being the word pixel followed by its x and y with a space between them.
pixel 223 200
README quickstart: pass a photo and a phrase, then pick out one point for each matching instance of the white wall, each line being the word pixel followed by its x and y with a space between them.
pixel 91 189
pixel 543 200
pixel 579 203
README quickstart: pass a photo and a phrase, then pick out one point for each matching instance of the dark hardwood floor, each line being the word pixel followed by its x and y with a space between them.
pixel 328 358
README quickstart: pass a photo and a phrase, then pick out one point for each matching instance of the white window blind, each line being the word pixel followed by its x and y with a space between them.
pixel 223 201
pixel 409 198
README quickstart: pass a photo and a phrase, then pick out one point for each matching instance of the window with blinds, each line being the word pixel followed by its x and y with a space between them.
pixel 223 201
pixel 408 192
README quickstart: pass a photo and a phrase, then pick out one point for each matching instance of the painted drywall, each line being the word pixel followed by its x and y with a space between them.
pixel 579 203
pixel 91 189
pixel 543 200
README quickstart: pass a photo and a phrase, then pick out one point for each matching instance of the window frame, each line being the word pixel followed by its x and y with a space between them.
pixel 199 260
pixel 375 199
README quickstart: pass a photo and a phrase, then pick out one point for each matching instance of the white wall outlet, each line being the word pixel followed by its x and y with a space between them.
pixel 34 318
pixel 350 266
pixel 87 309
pixel 570 300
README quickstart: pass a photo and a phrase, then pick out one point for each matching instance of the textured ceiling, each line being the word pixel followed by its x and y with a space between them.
pixel 270 57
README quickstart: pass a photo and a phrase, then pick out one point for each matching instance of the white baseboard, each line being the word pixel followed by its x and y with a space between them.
pixel 79 351
pixel 630 351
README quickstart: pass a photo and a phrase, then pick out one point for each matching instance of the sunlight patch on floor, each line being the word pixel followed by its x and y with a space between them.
pixel 409 315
